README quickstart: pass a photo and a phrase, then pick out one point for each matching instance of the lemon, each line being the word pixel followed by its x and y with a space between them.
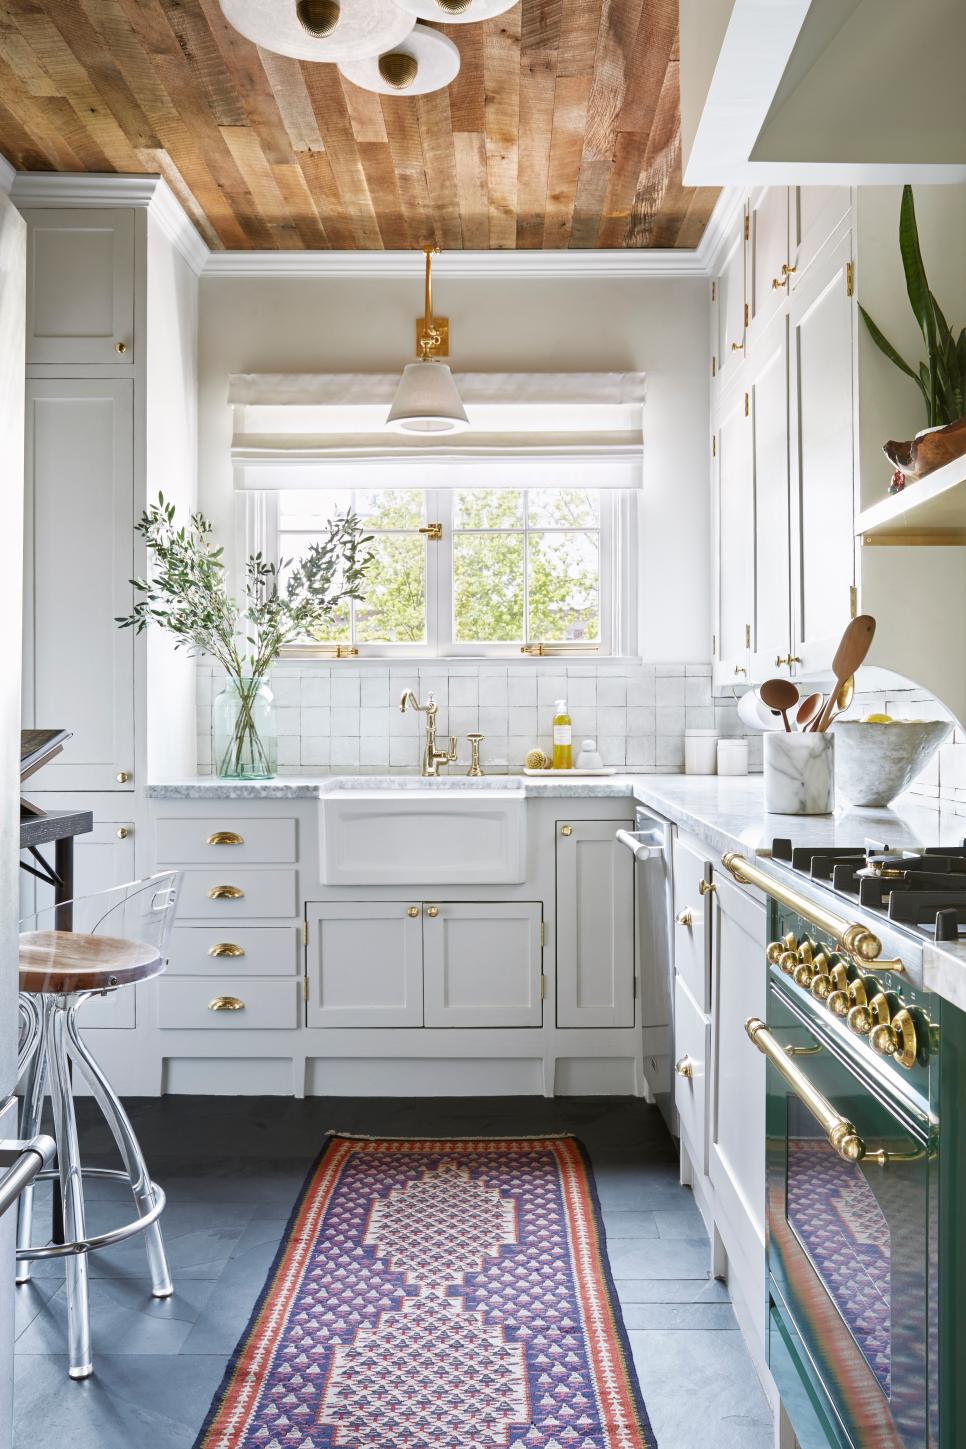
pixel 878 719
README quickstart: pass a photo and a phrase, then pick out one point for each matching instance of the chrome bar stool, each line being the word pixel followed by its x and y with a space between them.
pixel 119 937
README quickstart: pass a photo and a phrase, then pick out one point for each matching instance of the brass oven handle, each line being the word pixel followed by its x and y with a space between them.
pixel 857 940
pixel 225 893
pixel 226 948
pixel 226 837
pixel 839 1130
pixel 226 1003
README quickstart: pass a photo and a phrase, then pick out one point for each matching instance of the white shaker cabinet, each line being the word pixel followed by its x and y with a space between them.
pixel 364 964
pixel 767 257
pixel 820 322
pixel 482 963
pixel 730 309
pixel 814 212
pixel 79 552
pixel 767 377
pixel 80 294
pixel 595 925
pixel 734 532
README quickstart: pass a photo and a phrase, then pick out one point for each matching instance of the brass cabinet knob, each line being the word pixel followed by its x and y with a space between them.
pixel 413 911
pixel 432 911
pixel 225 893
pixel 120 347
pixel 225 837
pixel 226 1003
pixel 226 948
pixel 737 347
pixel 706 888
pixel 788 271
pixel 789 659
pixel 777 283
pixel 740 669
pixel 684 1067
pixel 566 830
pixel 122 832
pixel 122 777
pixel 685 918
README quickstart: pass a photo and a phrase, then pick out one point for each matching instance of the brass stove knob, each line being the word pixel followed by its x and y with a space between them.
pixel 859 1020
pixel 838 1002
pixel 776 949
pixel 884 1040
pixel 788 961
pixel 803 974
pixel 870 1012
pixel 805 951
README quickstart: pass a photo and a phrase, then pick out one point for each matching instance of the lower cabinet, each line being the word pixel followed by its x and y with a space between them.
pixel 442 964
pixel 692 1037
pixel 595 925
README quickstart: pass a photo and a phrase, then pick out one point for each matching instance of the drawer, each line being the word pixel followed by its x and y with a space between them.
pixel 240 951
pixel 225 841
pixel 692 917
pixel 263 893
pixel 692 1041
pixel 184 1003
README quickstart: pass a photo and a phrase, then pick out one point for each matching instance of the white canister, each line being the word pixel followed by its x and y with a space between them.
pixel 800 773
pixel 700 752
pixel 732 757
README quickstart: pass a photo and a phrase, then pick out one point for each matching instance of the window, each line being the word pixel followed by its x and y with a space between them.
pixel 512 569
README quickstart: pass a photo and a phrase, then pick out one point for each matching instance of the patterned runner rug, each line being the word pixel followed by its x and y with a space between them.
pixel 449 1294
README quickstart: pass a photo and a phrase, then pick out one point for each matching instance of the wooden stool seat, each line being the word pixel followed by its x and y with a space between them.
pixel 59 962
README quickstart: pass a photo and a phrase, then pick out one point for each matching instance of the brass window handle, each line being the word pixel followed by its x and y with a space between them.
pixel 226 837
pixel 225 893
pixel 226 1003
pixel 226 948
pixel 433 531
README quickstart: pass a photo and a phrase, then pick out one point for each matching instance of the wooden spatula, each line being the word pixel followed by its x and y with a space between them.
pixel 851 653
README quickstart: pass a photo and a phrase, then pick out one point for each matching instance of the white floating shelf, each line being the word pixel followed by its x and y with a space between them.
pixel 930 511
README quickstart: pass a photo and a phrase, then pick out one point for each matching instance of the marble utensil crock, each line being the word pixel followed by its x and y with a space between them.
pixel 878 761
pixel 799 773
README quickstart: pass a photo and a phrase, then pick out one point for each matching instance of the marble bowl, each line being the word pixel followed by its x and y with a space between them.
pixel 876 762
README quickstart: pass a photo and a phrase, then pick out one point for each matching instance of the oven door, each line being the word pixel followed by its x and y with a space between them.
pixel 850 1244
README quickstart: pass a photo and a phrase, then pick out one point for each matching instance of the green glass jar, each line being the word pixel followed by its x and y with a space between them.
pixel 245 731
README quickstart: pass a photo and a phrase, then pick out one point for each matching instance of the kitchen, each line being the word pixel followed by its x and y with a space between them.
pixel 348 951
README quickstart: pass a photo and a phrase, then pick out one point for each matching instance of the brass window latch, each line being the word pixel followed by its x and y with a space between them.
pixel 433 532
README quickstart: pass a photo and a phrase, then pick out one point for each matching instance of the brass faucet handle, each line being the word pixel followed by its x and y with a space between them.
pixel 475 740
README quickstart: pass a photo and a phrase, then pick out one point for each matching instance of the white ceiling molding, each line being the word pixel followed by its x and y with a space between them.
pixel 7 173
pixel 62 189
pixel 56 189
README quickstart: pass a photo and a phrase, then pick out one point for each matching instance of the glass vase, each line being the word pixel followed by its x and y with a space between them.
pixel 244 731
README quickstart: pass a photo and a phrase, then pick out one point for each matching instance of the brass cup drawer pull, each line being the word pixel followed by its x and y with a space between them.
pixel 685 918
pixel 225 893
pixel 706 888
pixel 226 948
pixel 226 837
pixel 684 1067
pixel 226 1003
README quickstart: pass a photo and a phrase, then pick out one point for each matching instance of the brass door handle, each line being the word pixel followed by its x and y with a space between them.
pixel 684 918
pixel 413 911
pixel 839 1131
pixel 706 888
pixel 566 830
pixel 432 911
pixel 225 837
pixel 226 1003
pixel 225 893
pixel 226 948
pixel 684 1067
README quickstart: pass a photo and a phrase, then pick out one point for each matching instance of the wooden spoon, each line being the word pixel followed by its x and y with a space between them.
pixel 779 694
pixel 850 654
pixel 808 709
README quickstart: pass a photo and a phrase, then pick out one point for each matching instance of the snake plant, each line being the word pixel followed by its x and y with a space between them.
pixel 942 377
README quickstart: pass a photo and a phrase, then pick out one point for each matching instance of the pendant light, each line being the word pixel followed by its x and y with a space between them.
pixel 427 60
pixel 427 399
pixel 321 30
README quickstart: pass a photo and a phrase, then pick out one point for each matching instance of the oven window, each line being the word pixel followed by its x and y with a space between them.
pixel 835 1216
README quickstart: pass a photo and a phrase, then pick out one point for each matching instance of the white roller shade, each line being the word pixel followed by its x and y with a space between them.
pixel 526 430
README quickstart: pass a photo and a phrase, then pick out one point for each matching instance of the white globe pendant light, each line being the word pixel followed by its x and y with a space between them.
pixel 456 12
pixel 427 399
pixel 321 30
pixel 427 60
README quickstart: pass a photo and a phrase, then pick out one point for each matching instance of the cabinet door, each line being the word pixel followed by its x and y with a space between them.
pixel 595 925
pixel 768 403
pixel 730 295
pixel 821 343
pixel 814 213
pixel 768 253
pixel 737 1135
pixel 79 553
pixel 364 964
pixel 482 963
pixel 734 529
pixel 692 922
pixel 80 286
pixel 692 1035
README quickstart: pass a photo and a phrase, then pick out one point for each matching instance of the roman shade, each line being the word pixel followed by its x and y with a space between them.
pixel 527 430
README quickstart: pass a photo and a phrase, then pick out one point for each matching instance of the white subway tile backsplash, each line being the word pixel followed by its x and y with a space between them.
pixel 375 692
pixel 344 719
pixel 581 692
pixel 374 751
pixel 611 691
pixel 315 720
pixel 372 721
pixel 640 719
pixel 550 688
pixel 345 751
pixel 670 720
pixel 346 691
pixel 520 691
pixel 670 690
pixel 521 721
pixel 697 689
pixel 612 720
pixel 463 689
pixel 316 689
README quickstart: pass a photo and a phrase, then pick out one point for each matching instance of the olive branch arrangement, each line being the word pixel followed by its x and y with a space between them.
pixel 187 596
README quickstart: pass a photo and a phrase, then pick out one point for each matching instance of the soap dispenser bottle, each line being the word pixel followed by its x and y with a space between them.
pixel 563 737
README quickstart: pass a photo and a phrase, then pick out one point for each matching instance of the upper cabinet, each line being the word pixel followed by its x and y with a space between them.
pixel 734 528
pixel 814 213
pixel 730 310
pixel 768 261
pixel 767 382
pixel 80 292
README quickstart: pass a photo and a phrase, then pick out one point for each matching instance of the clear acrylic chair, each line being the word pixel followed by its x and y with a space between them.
pixel 70 952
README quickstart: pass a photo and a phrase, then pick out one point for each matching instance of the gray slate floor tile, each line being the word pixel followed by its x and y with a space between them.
pixel 701 1390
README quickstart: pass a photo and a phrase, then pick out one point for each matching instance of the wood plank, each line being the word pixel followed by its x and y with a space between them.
pixel 570 98
pixel 365 112
pixel 540 25
pixel 242 63
pixel 190 27
pixel 328 102
pixel 663 154
pixel 501 74
pixel 538 69
pixel 300 206
pixel 376 159
pixel 466 93
pixel 439 154
pixel 316 167
pixel 615 43
pixel 49 122
pixel 472 188
pixel 401 120
pixel 285 77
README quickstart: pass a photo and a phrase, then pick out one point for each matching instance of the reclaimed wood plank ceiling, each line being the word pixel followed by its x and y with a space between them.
pixel 562 128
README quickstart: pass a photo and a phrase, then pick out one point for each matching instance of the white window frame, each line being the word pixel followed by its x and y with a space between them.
pixel 258 530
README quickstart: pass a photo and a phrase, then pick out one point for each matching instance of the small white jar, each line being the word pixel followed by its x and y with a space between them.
pixel 732 757
pixel 700 752
pixel 588 757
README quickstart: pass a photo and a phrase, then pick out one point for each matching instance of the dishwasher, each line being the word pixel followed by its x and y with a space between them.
pixel 650 844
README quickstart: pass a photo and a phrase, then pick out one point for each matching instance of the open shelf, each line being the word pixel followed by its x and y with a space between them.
pixel 930 511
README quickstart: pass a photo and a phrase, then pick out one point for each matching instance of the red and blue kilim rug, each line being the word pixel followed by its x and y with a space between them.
pixel 437 1295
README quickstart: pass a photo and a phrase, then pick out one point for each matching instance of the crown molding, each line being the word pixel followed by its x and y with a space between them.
pixel 719 231
pixel 7 173
pixel 72 189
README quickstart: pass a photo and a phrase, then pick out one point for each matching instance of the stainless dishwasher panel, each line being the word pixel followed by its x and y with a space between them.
pixel 650 842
